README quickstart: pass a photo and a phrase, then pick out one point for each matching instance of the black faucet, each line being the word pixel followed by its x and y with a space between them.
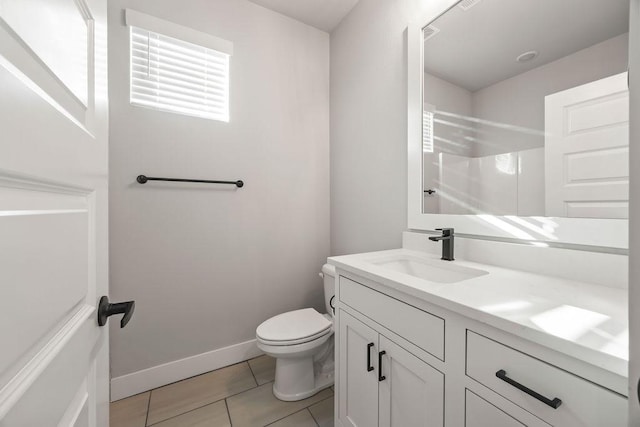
pixel 447 242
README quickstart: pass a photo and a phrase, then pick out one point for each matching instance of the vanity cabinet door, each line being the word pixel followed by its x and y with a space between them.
pixel 411 391
pixel 358 376
pixel 480 413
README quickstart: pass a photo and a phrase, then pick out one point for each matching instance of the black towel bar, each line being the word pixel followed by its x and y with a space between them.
pixel 142 179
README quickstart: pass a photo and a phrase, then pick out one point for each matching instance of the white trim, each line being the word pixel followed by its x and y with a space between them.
pixel 414 121
pixel 608 233
pixel 167 373
pixel 634 213
pixel 151 23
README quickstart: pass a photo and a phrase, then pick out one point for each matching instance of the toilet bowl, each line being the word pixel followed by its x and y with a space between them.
pixel 301 341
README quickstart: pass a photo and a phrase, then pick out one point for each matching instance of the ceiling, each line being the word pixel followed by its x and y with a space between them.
pixel 322 14
pixel 478 47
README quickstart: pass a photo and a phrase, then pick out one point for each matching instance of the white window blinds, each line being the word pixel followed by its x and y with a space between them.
pixel 427 128
pixel 178 76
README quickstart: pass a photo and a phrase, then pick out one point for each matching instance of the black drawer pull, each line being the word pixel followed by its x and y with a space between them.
pixel 380 376
pixel 369 367
pixel 554 403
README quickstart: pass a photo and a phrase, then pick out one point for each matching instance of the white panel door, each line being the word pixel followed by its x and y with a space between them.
pixel 411 391
pixel 53 213
pixel 358 359
pixel 587 150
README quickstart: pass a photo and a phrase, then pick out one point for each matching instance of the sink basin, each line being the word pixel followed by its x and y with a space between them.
pixel 432 270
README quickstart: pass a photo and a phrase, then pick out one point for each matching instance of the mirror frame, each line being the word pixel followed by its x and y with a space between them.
pixel 607 234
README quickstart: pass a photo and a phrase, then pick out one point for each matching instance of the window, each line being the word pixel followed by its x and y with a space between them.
pixel 173 74
pixel 427 128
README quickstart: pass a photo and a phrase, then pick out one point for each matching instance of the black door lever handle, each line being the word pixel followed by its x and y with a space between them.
pixel 106 309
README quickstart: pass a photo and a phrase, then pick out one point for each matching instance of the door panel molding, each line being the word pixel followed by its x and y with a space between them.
pixel 20 57
pixel 20 383
pixel 586 146
pixel 21 181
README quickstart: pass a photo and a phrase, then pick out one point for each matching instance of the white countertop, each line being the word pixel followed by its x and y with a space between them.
pixel 585 321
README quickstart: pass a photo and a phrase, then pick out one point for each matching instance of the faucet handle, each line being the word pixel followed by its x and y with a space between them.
pixel 445 231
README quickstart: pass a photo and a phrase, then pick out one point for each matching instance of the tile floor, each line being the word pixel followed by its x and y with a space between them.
pixel 238 395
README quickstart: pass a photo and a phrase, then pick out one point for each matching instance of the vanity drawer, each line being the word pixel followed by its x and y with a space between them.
pixel 583 403
pixel 416 326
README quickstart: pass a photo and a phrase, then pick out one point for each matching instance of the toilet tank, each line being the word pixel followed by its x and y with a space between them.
pixel 328 274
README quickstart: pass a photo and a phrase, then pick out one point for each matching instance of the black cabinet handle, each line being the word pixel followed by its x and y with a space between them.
pixel 106 309
pixel 380 376
pixel 369 367
pixel 554 403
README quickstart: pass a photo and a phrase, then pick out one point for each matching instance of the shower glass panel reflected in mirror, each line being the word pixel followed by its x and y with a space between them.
pixel 526 109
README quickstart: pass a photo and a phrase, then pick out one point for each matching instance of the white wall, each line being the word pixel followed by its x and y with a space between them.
pixel 453 185
pixel 531 182
pixel 206 264
pixel 446 96
pixel 502 184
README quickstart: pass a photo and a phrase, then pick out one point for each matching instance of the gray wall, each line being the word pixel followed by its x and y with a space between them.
pixel 369 126
pixel 206 264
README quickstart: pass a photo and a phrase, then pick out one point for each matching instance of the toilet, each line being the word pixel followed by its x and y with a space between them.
pixel 301 341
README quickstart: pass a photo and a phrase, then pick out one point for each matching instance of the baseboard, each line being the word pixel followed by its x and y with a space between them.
pixel 157 376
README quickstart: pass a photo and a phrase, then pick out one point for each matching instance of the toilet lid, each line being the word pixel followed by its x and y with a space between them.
pixel 293 326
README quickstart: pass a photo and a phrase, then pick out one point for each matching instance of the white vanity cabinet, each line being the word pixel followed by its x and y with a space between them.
pixel 384 384
pixel 403 362
pixel 516 375
pixel 412 392
pixel 358 361
pixel 480 413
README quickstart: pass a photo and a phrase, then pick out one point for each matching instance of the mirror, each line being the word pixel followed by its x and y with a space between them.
pixel 525 109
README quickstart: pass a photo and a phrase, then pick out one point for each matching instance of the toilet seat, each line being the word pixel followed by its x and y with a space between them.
pixel 294 327
pixel 295 342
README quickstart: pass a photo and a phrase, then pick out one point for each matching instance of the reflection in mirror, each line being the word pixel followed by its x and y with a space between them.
pixel 526 109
